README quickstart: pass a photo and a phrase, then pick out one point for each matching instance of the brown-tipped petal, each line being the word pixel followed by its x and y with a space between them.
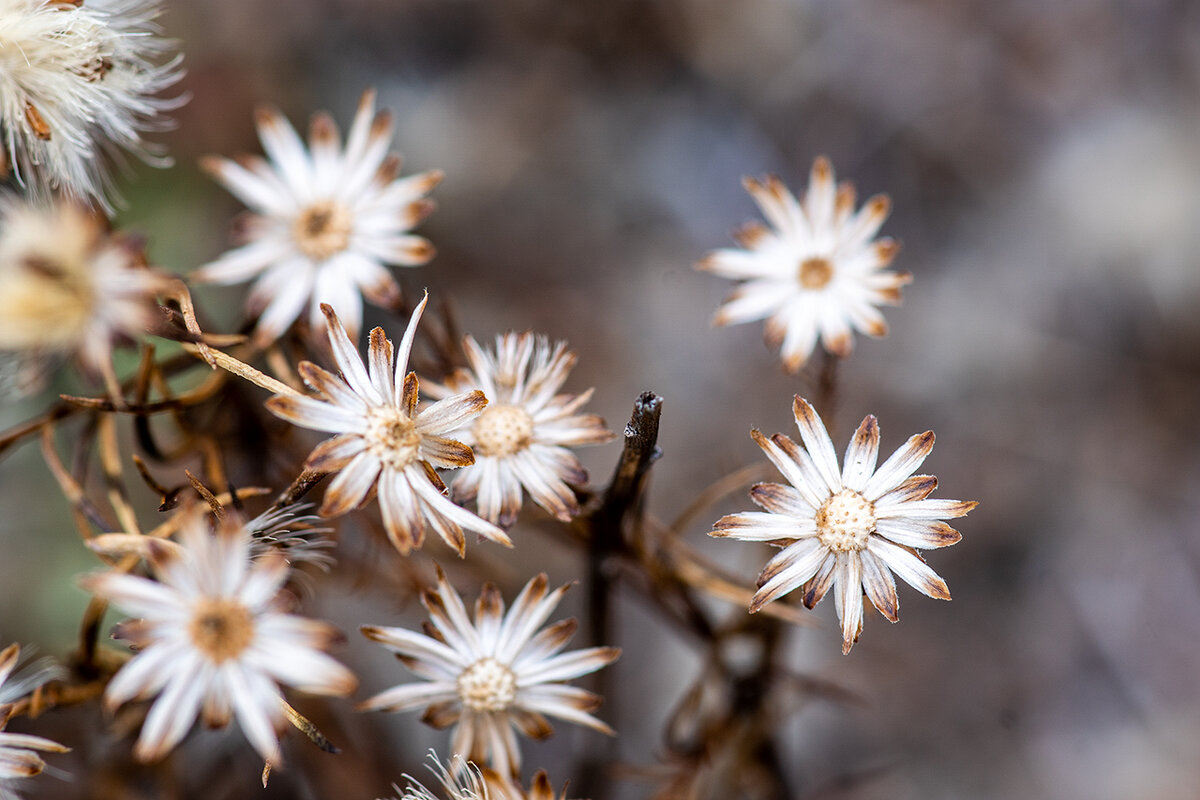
pixel 816 587
pixel 8 660
pixel 446 453
pixel 335 453
pixel 880 587
pixel 565 666
pixel 163 554
pixel 410 394
pixel 927 509
pixel 451 413
pixel 759 526
pixel 417 212
pixel 885 253
pixel 843 204
pixel 441 715
pixel 862 454
pixel 788 570
pixel 351 485
pixel 909 567
pixel 323 132
pixel 489 611
pixel 751 234
pixel 782 499
pixel 314 414
pixel 899 466
pixel 848 594
pixel 530 723
pixel 921 534
pixel 330 387
pixel 817 442
pixel 22 764
pixel 917 487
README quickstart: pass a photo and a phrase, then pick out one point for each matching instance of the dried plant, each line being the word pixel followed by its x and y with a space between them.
pixel 215 571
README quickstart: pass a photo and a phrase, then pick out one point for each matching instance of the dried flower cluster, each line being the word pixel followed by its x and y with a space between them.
pixel 211 587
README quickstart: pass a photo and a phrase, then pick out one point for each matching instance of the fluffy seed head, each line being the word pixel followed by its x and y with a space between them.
pixel 76 87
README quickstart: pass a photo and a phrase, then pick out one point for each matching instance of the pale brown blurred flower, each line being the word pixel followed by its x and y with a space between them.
pixel 214 640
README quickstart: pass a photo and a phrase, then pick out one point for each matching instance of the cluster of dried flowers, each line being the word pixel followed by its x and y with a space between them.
pixel 212 592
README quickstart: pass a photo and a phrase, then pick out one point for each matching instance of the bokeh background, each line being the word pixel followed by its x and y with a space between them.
pixel 1044 164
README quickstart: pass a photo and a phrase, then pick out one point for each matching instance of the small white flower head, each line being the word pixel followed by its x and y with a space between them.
pixel 462 780
pixel 817 273
pixel 382 440
pixel 496 675
pixel 214 639
pixel 69 285
pixel 849 528
pixel 77 86
pixel 17 757
pixel 324 220
pixel 521 439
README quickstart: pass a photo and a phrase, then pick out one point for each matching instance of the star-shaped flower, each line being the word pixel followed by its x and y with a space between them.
pixel 849 528
pixel 496 674
pixel 214 639
pixel 521 439
pixel 382 441
pixel 817 274
pixel 325 221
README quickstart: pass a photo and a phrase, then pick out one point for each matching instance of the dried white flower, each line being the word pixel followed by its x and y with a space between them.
pixel 849 528
pixel 69 286
pixel 383 441
pixel 817 274
pixel 325 221
pixel 214 640
pixel 17 757
pixel 77 81
pixel 521 438
pixel 495 675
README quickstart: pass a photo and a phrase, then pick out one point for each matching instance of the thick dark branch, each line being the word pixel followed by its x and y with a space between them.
pixel 624 494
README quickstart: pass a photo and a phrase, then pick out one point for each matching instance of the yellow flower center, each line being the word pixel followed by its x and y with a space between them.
pixel 502 430
pixel 845 521
pixel 487 685
pixel 815 272
pixel 323 229
pixel 221 628
pixel 391 436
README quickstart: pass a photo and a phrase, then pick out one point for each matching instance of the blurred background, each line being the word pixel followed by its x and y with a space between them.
pixel 1044 165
